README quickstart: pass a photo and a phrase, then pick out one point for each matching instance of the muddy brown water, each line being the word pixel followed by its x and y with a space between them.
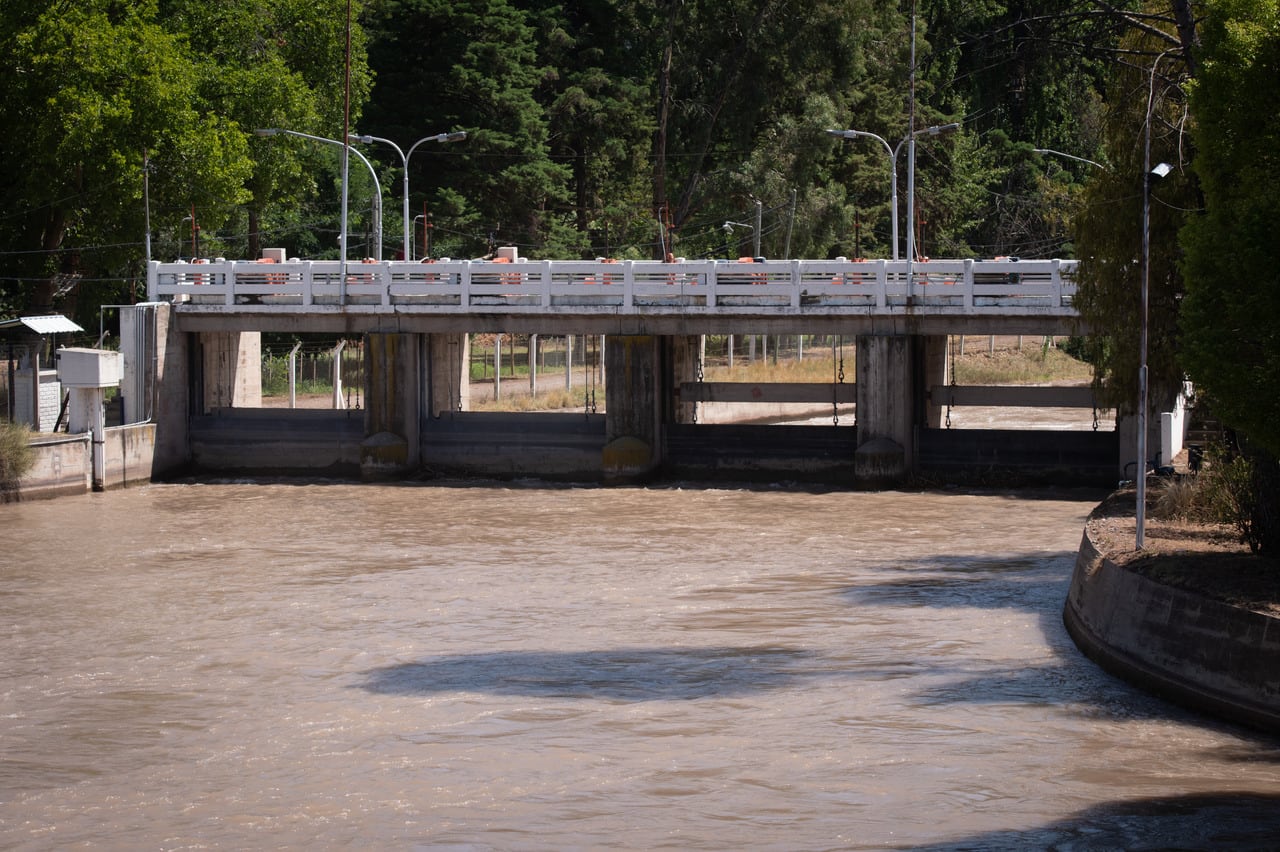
pixel 475 666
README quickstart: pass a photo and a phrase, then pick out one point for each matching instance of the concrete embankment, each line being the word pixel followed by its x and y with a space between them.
pixel 1219 659
pixel 63 464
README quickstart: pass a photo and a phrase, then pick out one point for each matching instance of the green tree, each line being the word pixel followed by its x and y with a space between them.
pixel 280 63
pixel 89 91
pixel 474 66
pixel 1232 304
pixel 744 92
pixel 1109 232
pixel 596 94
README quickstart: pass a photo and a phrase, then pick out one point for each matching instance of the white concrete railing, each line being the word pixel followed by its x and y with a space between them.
pixel 1043 287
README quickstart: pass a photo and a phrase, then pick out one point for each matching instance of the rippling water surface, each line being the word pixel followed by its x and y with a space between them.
pixel 485 667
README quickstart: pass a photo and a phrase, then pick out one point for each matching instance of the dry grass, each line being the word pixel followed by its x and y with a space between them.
pixel 1199 556
pixel 1030 366
pixel 16 455
pixel 556 399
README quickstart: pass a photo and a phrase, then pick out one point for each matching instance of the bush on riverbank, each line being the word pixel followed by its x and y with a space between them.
pixel 16 456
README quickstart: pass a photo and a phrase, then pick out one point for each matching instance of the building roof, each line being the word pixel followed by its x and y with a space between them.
pixel 51 324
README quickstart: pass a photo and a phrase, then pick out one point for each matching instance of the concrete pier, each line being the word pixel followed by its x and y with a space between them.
pixel 885 424
pixel 393 394
pixel 633 427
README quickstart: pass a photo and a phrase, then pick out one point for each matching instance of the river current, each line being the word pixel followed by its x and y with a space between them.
pixel 474 667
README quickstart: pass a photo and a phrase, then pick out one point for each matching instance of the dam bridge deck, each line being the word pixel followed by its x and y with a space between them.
pixel 623 297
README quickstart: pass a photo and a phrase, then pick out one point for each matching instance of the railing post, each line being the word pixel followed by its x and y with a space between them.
pixel 882 284
pixel 628 285
pixel 337 374
pixel 568 362
pixel 308 283
pixel 464 285
pixel 544 282
pixel 795 283
pixel 293 374
pixel 229 282
pixel 967 298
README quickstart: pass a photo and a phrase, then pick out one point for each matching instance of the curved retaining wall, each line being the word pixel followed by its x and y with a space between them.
pixel 1219 659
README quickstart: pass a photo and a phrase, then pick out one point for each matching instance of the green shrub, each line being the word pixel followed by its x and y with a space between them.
pixel 1181 498
pixel 1243 490
pixel 16 456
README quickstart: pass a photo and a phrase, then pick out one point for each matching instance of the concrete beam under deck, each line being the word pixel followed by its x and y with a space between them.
pixel 354 320
pixel 765 392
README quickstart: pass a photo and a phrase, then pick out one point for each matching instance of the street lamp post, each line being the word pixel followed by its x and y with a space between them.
pixel 413 235
pixel 892 151
pixel 404 164
pixel 1149 175
pixel 377 188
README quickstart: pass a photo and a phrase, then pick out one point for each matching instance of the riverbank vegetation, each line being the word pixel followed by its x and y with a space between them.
pixel 16 455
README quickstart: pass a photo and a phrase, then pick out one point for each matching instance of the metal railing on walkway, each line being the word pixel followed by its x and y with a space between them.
pixel 564 287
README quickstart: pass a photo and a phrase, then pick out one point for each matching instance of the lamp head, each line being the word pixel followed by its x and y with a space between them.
pixel 355 137
pixel 939 129
pixel 456 136
pixel 842 134
pixel 267 131
pixel 1161 170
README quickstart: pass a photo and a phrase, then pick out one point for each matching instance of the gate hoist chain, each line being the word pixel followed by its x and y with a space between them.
pixel 838 363
pixel 951 397
pixel 699 376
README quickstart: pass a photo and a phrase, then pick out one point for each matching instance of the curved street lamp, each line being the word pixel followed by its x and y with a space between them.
pixel 457 136
pixel 377 188
pixel 892 151
pixel 1068 156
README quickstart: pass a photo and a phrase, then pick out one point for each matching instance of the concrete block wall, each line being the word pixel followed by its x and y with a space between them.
pixel 50 399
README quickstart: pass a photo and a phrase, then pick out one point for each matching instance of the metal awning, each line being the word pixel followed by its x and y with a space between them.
pixel 51 324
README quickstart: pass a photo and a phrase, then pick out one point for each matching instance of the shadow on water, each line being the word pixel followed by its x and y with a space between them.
pixel 1036 584
pixel 1231 820
pixel 1006 582
pixel 622 674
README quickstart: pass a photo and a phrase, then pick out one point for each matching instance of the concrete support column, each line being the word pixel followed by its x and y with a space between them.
pixel 449 359
pixel 232 369
pixel 633 422
pixel 885 451
pixel 932 371
pixel 87 413
pixel 393 397
pixel 172 392
pixel 686 358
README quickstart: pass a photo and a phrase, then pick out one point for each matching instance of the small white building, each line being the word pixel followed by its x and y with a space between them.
pixel 34 392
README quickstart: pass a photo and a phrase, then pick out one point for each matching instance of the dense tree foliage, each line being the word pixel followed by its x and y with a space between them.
pixel 1110 230
pixel 90 91
pixel 634 129
pixel 107 102
pixel 595 127
pixel 1232 309
pixel 1233 288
